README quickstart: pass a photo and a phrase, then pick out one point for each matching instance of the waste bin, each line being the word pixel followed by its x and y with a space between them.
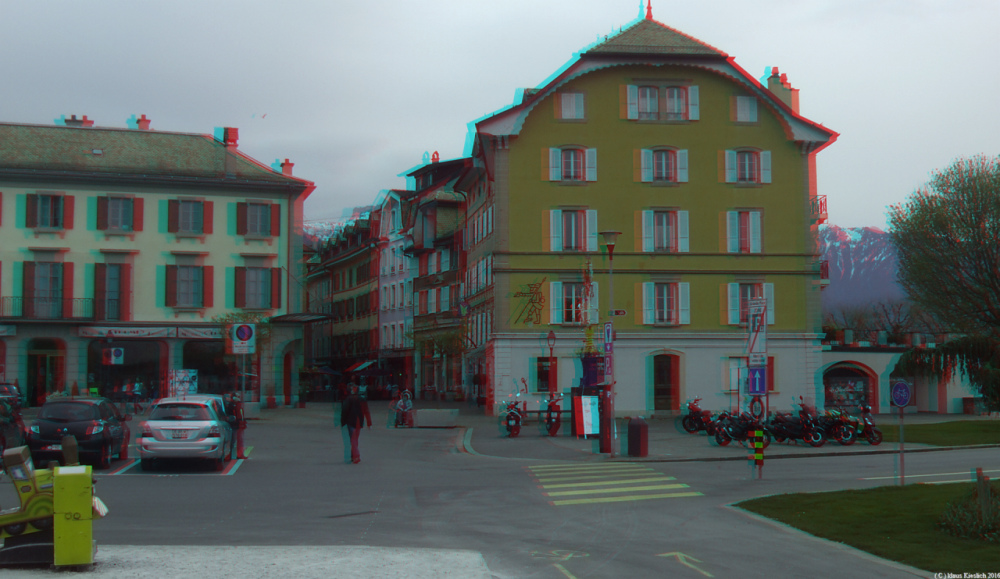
pixel 638 437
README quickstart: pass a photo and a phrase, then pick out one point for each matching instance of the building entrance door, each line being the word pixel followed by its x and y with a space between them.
pixel 666 382
pixel 46 363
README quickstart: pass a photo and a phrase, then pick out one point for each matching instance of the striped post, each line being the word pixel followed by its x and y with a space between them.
pixel 757 455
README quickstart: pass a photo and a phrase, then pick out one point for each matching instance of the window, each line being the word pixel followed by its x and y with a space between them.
pixel 189 286
pixel 663 165
pixel 743 231
pixel 746 109
pixel 570 106
pixel 748 166
pixel 661 103
pixel 119 214
pixel 573 230
pixel 49 211
pixel 258 287
pixel 665 230
pixel 423 302
pixel 111 291
pixel 45 286
pixel 571 164
pixel 260 219
pixel 666 303
pixel 189 217
pixel 571 303
pixel 739 296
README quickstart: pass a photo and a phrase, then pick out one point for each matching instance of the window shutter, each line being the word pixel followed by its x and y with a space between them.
pixel 647 230
pixel 568 104
pixel 632 92
pixel 275 220
pixel 755 232
pixel 733 231
pixel 684 297
pixel 67 290
pixel 770 373
pixel 138 209
pixel 555 230
pixel 742 109
pixel 173 217
pixel 591 230
pixel 555 302
pixel 730 166
pixel 171 289
pixel 241 285
pixel 765 166
pixel 648 302
pixel 276 287
pixel 100 287
pixel 752 109
pixel 646 157
pixel 125 292
pixel 555 164
pixel 445 298
pixel 409 293
pixel 769 296
pixel 734 303
pixel 102 213
pixel 432 298
pixel 693 107
pixel 28 285
pixel 68 204
pixel 31 210
pixel 682 165
pixel 445 259
pixel 591 155
pixel 683 245
pixel 489 220
pixel 206 214
pixel 241 219
pixel 592 314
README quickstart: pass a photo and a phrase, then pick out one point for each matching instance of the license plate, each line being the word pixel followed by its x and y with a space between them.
pixel 53 447
pixel 178 434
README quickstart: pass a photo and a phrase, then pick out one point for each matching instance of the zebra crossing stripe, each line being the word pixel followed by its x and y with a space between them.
pixel 599 483
pixel 592 476
pixel 616 490
pixel 623 499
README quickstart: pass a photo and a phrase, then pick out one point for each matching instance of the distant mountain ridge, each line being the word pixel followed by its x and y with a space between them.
pixel 863 266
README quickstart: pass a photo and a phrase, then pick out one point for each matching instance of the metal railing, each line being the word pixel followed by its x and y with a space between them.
pixel 33 308
pixel 818 208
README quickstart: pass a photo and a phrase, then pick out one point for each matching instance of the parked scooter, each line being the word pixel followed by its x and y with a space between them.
pixel 553 416
pixel 835 426
pixel 512 415
pixel 784 426
pixel 697 419
pixel 863 426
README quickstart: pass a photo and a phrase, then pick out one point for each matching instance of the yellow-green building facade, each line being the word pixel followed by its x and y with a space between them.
pixel 708 175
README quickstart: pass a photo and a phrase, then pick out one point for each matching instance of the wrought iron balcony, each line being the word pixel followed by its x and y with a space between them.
pixel 818 208
pixel 69 309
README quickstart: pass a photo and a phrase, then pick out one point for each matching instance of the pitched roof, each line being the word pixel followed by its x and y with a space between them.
pixel 648 36
pixel 125 152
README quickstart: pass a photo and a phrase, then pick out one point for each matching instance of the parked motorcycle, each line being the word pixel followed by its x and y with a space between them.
pixel 863 427
pixel 836 426
pixel 741 429
pixel 697 419
pixel 785 426
pixel 553 417
pixel 512 414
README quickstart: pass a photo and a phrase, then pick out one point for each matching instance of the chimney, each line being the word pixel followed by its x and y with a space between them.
pixel 230 136
pixel 143 123
pixel 779 86
pixel 286 168
pixel 75 122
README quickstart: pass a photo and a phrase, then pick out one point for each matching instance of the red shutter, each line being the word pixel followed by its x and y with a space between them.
pixel 171 293
pixel 770 374
pixel 208 286
pixel 206 214
pixel 100 282
pixel 241 282
pixel 241 219
pixel 137 213
pixel 275 220
pixel 28 288
pixel 102 213
pixel 31 210
pixel 125 291
pixel 67 212
pixel 173 218
pixel 67 293
pixel 275 287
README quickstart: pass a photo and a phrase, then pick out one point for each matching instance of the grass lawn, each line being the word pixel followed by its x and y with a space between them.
pixel 957 433
pixel 896 523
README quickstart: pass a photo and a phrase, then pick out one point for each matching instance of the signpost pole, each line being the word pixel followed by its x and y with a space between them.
pixel 899 395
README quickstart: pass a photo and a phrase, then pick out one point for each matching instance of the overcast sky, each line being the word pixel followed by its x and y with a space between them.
pixel 354 92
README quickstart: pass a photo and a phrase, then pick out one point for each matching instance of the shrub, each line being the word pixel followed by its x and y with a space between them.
pixel 967 519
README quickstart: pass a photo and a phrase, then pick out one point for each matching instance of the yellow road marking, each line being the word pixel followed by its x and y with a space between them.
pixel 598 483
pixel 623 499
pixel 616 490
pixel 970 473
pixel 591 476
pixel 564 471
pixel 564 571
pixel 580 465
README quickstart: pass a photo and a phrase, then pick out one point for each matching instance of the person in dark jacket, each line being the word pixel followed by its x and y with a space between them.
pixel 353 415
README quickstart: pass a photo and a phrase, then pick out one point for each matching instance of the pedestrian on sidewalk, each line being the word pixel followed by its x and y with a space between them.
pixel 353 415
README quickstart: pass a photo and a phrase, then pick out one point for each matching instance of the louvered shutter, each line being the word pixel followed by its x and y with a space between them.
pixel 125 291
pixel 100 289
pixel 734 303
pixel 682 165
pixel 555 230
pixel 647 230
pixel 591 157
pixel 684 297
pixel 241 219
pixel 68 205
pixel 67 290
pixel 555 302
pixel 276 287
pixel 769 296
pixel 102 213
pixel 591 230
pixel 730 166
pixel 646 165
pixel 765 166
pixel 693 106
pixel 173 217
pixel 275 220
pixel 733 231
pixel 648 302
pixel 28 286
pixel 206 215
pixel 632 95
pixel 207 286
pixel 138 210
pixel 755 232
pixel 241 286
pixel 555 164
pixel 683 245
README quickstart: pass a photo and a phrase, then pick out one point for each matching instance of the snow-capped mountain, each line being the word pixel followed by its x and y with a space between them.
pixel 863 266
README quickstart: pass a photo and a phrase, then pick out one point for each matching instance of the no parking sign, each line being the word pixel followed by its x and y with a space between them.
pixel 241 339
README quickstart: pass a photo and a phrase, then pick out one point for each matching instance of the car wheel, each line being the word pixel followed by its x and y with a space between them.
pixel 15 529
pixel 104 460
pixel 42 524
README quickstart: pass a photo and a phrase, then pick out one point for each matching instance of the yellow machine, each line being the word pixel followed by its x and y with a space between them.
pixel 53 523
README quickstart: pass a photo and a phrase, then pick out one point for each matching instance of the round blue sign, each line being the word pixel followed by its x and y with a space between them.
pixel 900 393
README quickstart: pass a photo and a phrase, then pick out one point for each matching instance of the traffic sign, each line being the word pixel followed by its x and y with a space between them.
pixel 900 393
pixel 609 369
pixel 241 339
pixel 617 312
pixel 757 385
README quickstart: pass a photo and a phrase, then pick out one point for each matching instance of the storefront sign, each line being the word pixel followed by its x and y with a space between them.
pixel 201 333
pixel 119 332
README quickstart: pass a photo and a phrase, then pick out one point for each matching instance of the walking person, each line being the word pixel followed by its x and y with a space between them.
pixel 353 415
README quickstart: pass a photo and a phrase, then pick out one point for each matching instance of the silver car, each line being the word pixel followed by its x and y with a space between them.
pixel 185 428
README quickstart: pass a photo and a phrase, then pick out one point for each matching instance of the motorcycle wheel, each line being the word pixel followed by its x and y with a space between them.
pixel 845 435
pixel 515 429
pixel 721 437
pixel 554 427
pixel 815 438
pixel 874 436
pixel 689 424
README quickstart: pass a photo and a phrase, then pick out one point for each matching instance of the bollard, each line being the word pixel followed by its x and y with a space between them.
pixel 638 437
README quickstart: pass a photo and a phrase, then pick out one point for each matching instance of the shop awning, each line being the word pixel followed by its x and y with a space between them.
pixel 360 366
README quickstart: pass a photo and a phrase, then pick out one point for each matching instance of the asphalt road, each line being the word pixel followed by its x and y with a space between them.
pixel 427 497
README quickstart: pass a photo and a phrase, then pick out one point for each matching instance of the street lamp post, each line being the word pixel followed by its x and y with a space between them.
pixel 551 338
pixel 607 438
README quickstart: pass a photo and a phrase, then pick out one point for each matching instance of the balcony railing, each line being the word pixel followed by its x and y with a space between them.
pixel 32 308
pixel 818 208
